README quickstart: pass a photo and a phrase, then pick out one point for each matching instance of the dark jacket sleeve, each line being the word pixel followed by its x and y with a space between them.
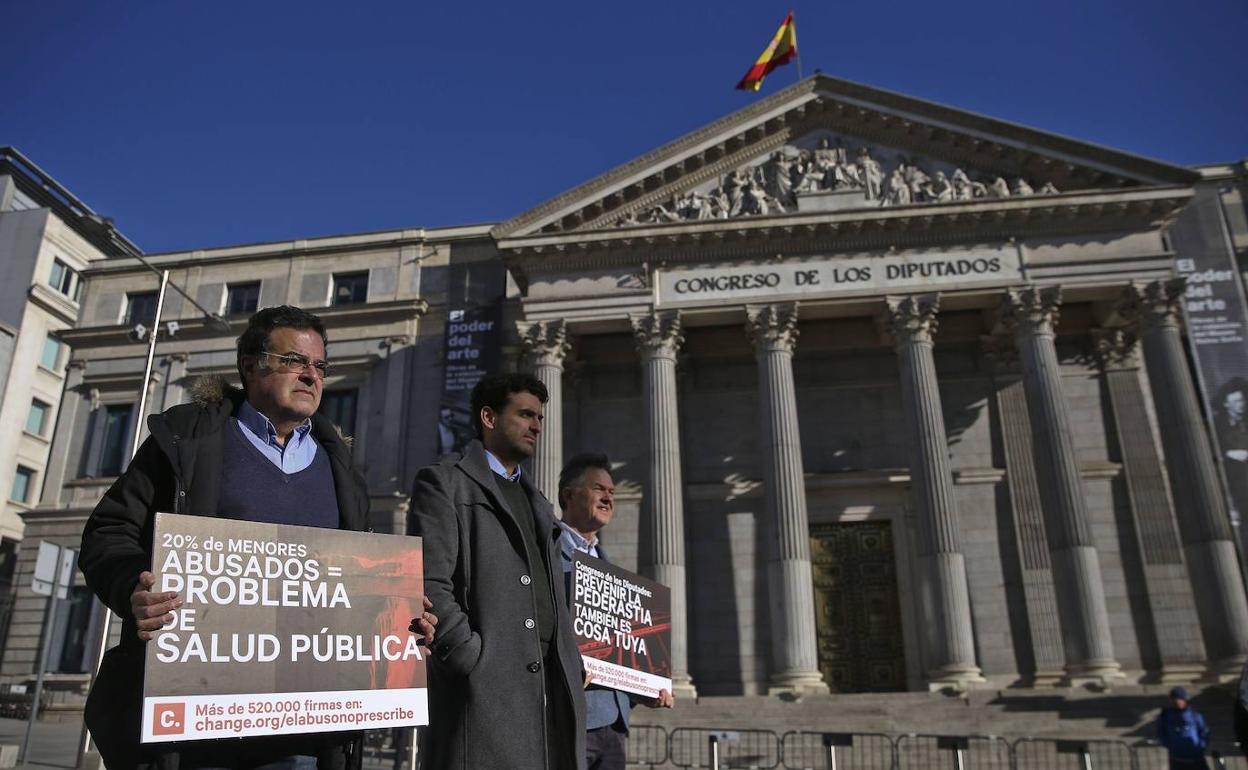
pixel 456 645
pixel 116 542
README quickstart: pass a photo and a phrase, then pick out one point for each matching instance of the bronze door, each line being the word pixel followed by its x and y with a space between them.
pixel 857 612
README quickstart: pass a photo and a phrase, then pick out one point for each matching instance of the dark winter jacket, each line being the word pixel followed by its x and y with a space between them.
pixel 178 470
pixel 1184 732
pixel 487 678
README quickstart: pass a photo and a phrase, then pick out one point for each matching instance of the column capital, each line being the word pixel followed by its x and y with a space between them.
pixel 1115 348
pixel 77 363
pixel 912 318
pixel 1033 310
pixel 545 343
pixel 658 333
pixel 772 327
pixel 1000 352
pixel 1154 304
pixel 180 358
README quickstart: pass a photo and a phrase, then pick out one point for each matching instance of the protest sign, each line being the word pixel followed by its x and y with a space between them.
pixel 283 629
pixel 623 625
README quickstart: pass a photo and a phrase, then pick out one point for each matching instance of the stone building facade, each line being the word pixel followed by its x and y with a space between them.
pixel 48 238
pixel 897 395
pixel 961 471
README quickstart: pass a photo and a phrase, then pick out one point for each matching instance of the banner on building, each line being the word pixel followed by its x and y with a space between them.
pixel 623 625
pixel 283 629
pixel 473 346
pixel 1217 326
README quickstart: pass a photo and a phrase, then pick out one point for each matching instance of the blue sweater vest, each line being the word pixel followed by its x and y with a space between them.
pixel 254 489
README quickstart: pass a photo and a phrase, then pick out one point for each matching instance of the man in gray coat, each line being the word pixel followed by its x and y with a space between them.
pixel 505 676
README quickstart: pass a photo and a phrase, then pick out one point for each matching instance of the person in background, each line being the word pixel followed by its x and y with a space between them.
pixel 1182 730
pixel 587 497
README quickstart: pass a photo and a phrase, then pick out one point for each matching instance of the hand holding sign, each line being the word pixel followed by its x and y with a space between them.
pixel 426 624
pixel 151 609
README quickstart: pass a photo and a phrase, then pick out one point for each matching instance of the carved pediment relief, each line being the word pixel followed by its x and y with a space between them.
pixel 827 172
pixel 825 144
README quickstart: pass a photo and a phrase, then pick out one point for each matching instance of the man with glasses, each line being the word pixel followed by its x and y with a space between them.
pixel 261 453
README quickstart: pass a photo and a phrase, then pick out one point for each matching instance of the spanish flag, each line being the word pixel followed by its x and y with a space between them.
pixel 782 49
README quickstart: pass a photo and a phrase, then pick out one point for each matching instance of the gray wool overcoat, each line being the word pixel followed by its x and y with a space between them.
pixel 487 685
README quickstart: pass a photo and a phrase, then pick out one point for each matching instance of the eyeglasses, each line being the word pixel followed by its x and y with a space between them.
pixel 297 362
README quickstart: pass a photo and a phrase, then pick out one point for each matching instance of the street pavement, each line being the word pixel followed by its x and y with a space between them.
pixel 55 744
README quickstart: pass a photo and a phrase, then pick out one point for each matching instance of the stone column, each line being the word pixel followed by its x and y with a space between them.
pixel 150 407
pixel 1043 628
pixel 944 596
pixel 175 380
pixel 794 648
pixel 1204 524
pixel 1033 313
pixel 1179 652
pixel 72 400
pixel 659 336
pixel 545 346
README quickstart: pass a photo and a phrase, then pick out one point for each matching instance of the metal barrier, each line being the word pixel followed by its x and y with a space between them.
pixel 1229 756
pixel 1154 757
pixel 647 745
pixel 388 748
pixel 958 752
pixel 1073 754
pixel 650 746
pixel 722 749
pixel 837 751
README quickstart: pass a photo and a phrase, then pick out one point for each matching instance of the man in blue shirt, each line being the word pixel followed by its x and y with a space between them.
pixel 1182 730
pixel 587 497
pixel 259 453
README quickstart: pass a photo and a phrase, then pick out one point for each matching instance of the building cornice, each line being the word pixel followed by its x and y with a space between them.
pixel 78 216
pixel 199 328
pixel 339 244
pixel 920 225
pixel 54 302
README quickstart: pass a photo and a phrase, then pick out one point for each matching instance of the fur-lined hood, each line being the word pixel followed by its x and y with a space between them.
pixel 212 389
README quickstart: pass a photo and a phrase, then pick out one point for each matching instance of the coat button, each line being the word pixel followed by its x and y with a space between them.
pixel 525 580
pixel 534 667
pixel 528 623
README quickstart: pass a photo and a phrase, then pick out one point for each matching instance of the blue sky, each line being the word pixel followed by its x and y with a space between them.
pixel 205 124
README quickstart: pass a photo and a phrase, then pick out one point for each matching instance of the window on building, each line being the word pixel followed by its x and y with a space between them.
pixel 64 279
pixel 51 356
pixel 113 444
pixel 350 288
pixel 23 484
pixel 72 628
pixel 37 418
pixel 242 297
pixel 141 308
pixel 339 407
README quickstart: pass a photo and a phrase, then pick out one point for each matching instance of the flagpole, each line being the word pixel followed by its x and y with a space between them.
pixel 797 52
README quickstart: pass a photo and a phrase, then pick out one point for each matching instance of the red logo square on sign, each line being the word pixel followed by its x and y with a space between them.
pixel 169 719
